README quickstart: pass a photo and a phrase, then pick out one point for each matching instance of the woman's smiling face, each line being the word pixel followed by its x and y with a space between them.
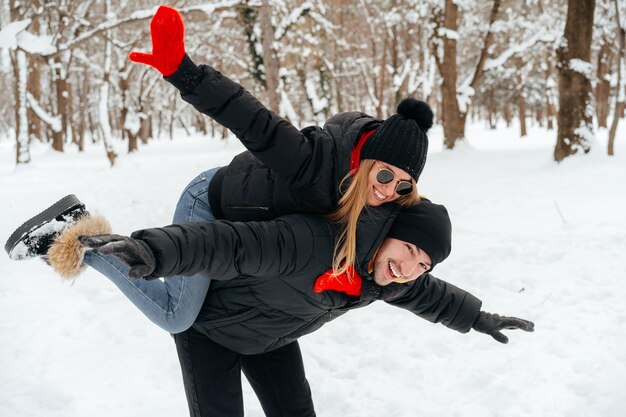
pixel 378 193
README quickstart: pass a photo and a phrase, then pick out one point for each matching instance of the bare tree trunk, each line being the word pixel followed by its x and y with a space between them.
pixel 451 115
pixel 550 107
pixel 21 121
pixel 454 116
pixel 619 96
pixel 521 108
pixel 574 56
pixel 58 137
pixel 382 77
pixel 84 106
pixel 506 113
pixel 539 115
pixel 129 119
pixel 105 125
pixel 35 129
pixel 201 124
pixel 269 57
pixel 145 131
pixel 603 85
pixel 491 110
pixel 521 100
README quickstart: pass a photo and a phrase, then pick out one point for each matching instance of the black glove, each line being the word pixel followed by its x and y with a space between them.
pixel 133 252
pixel 492 324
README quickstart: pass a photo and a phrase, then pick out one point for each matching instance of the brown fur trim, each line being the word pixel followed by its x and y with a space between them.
pixel 66 254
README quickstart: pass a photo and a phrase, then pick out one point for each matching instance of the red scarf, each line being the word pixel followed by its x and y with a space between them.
pixel 349 282
pixel 355 155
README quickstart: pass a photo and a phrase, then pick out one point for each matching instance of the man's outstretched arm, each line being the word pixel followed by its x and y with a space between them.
pixel 441 302
pixel 218 249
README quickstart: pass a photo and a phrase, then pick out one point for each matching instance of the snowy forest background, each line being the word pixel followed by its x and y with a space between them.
pixel 66 78
pixel 532 238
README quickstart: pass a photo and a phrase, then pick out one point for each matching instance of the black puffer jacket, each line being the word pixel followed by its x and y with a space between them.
pixel 285 170
pixel 262 295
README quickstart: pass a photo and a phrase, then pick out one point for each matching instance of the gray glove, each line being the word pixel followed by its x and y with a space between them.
pixel 491 324
pixel 133 252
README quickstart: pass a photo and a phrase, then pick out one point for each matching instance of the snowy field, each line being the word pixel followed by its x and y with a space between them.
pixel 531 239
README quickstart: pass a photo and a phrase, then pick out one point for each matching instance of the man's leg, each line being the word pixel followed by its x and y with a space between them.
pixel 211 374
pixel 279 381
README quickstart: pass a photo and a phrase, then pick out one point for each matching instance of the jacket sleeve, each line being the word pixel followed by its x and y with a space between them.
pixel 224 250
pixel 439 302
pixel 270 138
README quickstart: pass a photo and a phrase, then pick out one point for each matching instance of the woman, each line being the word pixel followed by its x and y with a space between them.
pixel 354 162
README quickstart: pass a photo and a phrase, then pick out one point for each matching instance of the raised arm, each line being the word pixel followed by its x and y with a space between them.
pixel 272 139
pixel 219 249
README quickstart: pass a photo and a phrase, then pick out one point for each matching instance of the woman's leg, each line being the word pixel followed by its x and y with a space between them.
pixel 172 304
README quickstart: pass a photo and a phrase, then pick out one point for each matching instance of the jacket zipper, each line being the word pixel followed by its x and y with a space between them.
pixel 264 208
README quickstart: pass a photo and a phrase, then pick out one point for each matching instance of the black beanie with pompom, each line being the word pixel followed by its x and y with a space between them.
pixel 401 139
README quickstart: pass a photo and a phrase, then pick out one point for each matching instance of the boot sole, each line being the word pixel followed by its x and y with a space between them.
pixel 65 204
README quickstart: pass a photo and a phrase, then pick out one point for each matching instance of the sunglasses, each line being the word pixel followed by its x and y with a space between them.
pixel 386 176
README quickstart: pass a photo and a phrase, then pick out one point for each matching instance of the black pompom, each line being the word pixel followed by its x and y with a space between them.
pixel 418 111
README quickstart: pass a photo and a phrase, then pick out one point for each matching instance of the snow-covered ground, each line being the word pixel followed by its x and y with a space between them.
pixel 532 239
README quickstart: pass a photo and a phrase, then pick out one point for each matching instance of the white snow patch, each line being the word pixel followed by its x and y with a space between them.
pixel 464 96
pixel 53 121
pixel 448 33
pixel 36 45
pixel 585 132
pixel 582 67
pixel 132 122
pixel 8 34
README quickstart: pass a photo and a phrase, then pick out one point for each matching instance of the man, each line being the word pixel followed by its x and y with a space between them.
pixel 272 285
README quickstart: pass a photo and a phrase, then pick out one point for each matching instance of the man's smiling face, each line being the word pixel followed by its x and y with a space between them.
pixel 399 261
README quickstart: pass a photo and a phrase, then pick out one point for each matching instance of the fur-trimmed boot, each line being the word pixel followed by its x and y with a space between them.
pixel 52 235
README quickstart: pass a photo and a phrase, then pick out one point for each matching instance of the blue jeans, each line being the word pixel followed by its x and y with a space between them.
pixel 172 304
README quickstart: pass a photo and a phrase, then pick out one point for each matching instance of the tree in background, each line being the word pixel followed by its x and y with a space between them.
pixel 575 71
pixel 618 109
pixel 492 60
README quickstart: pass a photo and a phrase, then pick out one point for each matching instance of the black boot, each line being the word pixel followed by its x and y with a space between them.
pixel 33 238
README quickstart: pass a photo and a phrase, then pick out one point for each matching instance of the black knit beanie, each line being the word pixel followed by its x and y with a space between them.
pixel 427 226
pixel 401 139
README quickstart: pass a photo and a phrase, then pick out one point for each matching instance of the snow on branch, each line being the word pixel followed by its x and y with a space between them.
pixel 35 45
pixel 582 67
pixel 448 33
pixel 15 35
pixel 400 76
pixel 216 7
pixel 140 15
pixel 53 121
pixel 8 34
pixel 540 36
pixel 325 24
pixel 293 17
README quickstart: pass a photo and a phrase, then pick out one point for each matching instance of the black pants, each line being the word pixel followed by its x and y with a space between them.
pixel 212 378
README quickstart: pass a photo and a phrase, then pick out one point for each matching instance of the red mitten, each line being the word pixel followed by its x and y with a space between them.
pixel 341 283
pixel 168 42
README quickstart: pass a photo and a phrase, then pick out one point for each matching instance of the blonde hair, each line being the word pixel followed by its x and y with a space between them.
pixel 350 206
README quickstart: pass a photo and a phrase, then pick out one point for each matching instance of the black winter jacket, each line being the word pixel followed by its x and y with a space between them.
pixel 285 170
pixel 262 295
